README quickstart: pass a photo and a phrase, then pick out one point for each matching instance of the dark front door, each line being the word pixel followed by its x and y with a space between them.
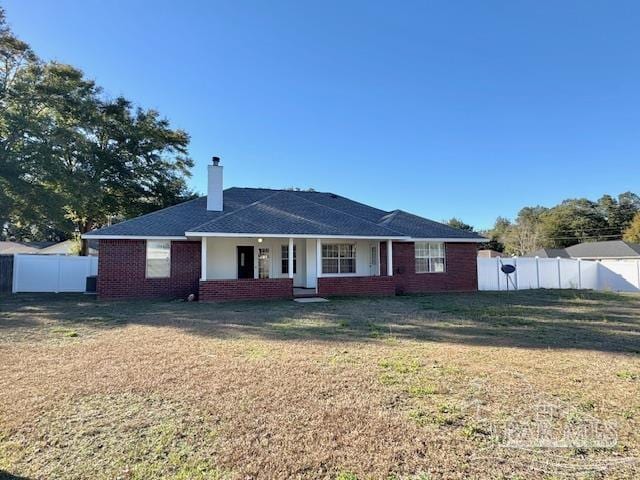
pixel 245 262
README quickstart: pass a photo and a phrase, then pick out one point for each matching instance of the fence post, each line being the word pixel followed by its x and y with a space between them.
pixel 14 284
pixel 515 264
pixel 537 271
pixel 559 276
pixel 498 271
pixel 88 257
pixel 579 274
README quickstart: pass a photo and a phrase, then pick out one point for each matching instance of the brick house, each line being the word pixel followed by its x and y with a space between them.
pixel 253 243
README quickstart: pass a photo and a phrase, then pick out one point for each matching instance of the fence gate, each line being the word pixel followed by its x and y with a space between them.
pixel 6 273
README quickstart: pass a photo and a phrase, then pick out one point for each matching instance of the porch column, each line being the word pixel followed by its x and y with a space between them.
pixel 390 258
pixel 203 259
pixel 290 260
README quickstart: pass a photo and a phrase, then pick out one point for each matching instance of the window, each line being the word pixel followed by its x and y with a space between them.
pixel 339 258
pixel 429 257
pixel 158 258
pixel 285 259
pixel 264 264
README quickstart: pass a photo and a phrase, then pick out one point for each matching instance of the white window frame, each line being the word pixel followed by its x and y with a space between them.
pixel 266 251
pixel 155 244
pixel 429 251
pixel 339 247
pixel 284 267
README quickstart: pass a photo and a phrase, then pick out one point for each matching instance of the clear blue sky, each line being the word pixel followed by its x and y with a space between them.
pixel 465 108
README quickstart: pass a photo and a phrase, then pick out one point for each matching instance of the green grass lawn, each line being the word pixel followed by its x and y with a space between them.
pixel 432 386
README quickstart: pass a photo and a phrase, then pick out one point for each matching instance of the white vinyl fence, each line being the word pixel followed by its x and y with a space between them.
pixel 52 273
pixel 615 275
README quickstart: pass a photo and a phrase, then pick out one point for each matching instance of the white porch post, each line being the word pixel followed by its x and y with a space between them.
pixel 390 258
pixel 318 261
pixel 290 259
pixel 203 259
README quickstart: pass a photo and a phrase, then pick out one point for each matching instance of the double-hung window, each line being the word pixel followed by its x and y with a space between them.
pixel 158 259
pixel 339 258
pixel 430 257
pixel 285 259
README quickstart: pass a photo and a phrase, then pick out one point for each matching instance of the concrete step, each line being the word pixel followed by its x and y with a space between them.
pixel 310 300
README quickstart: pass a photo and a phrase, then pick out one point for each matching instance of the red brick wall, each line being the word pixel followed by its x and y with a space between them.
pixel 121 270
pixel 328 286
pixel 461 269
pixel 121 274
pixel 246 289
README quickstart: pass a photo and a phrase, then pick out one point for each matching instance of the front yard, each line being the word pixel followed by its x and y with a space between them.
pixel 436 386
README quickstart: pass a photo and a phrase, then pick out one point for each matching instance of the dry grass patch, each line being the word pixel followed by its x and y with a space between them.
pixel 407 387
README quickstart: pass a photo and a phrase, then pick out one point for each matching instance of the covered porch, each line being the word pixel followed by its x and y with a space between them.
pixel 253 266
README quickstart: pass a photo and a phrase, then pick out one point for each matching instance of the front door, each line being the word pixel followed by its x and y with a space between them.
pixel 245 262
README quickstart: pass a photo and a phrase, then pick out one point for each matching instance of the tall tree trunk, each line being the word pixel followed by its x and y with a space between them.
pixel 84 244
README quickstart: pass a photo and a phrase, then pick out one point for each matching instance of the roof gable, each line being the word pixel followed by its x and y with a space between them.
pixel 288 213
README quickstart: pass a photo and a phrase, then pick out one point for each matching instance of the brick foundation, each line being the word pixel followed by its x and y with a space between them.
pixel 461 273
pixel 246 289
pixel 122 270
pixel 336 286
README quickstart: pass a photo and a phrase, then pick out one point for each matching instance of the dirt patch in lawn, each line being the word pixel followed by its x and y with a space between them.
pixel 437 386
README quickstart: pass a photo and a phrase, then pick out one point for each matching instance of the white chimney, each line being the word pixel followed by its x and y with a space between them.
pixel 214 191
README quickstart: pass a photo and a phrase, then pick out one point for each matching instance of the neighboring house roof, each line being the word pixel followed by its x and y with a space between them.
pixel 9 248
pixel 608 249
pixel 488 253
pixel 285 212
pixel 549 253
pixel 63 248
pixel 45 248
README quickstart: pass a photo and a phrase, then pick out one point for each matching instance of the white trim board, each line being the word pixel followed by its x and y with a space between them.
pixel 131 237
pixel 290 235
pixel 278 235
pixel 449 240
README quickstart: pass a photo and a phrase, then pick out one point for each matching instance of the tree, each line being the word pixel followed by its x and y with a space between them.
pixel 525 235
pixel 619 212
pixel 15 56
pixel 71 160
pixel 574 221
pixel 459 224
pixel 628 207
pixel 497 235
pixel 632 233
pixel 570 222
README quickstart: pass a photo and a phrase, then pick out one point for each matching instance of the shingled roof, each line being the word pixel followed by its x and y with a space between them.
pixel 606 249
pixel 256 211
pixel 591 250
pixel 549 253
